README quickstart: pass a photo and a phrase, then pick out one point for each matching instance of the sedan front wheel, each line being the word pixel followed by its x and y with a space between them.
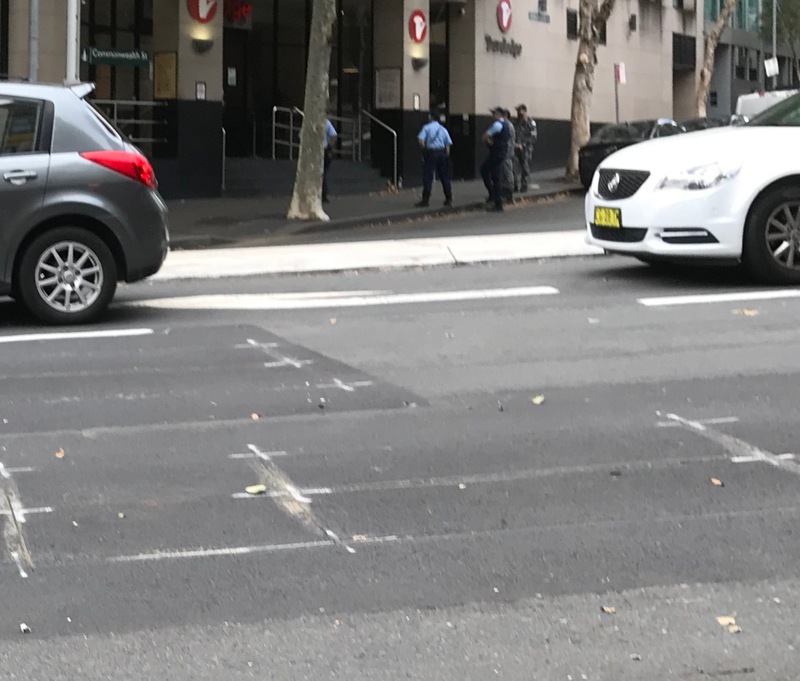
pixel 771 248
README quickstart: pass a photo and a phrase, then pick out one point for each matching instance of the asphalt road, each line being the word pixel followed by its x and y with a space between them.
pixel 454 489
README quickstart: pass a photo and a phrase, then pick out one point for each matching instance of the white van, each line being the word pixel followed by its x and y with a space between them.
pixel 753 104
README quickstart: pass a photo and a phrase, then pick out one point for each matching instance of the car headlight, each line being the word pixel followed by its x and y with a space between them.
pixel 700 177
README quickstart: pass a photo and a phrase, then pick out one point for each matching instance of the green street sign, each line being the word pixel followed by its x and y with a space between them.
pixel 112 57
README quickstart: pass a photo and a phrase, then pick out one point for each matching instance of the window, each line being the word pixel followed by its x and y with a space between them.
pixel 752 71
pixel 785 113
pixel 542 6
pixel 19 123
pixel 713 98
pixel 572 24
pixel 740 63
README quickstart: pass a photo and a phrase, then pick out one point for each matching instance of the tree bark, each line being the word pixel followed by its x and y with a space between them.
pixel 591 19
pixel 707 69
pixel 307 195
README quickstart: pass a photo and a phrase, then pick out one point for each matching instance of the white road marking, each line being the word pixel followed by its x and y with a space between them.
pixel 18 562
pixel 20 469
pixel 706 422
pixel 271 301
pixel 753 459
pixel 736 447
pixel 22 511
pixel 280 359
pixel 347 387
pixel 211 553
pixel 75 335
pixel 740 296
pixel 251 455
pixel 4 472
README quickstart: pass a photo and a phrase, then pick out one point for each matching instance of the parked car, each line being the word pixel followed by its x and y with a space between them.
pixel 610 138
pixel 756 102
pixel 729 194
pixel 695 124
pixel 80 205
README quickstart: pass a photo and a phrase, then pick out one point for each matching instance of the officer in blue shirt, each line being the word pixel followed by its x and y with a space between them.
pixel 497 137
pixel 436 143
pixel 330 140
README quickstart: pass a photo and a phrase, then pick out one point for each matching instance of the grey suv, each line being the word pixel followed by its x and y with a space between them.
pixel 79 207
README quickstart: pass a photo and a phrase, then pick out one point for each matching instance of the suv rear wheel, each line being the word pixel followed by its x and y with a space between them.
pixel 67 276
pixel 771 250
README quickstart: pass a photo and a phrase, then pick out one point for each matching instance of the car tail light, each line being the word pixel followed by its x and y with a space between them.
pixel 128 163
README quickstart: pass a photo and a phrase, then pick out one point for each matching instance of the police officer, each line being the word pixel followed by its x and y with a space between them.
pixel 497 138
pixel 527 134
pixel 436 144
pixel 330 140
pixel 508 166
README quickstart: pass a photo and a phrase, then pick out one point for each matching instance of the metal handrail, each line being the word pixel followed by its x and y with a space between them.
pixel 393 133
pixel 116 104
pixel 224 156
pixel 292 111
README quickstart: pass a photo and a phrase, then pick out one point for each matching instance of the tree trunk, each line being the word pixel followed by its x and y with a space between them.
pixel 307 196
pixel 591 20
pixel 707 69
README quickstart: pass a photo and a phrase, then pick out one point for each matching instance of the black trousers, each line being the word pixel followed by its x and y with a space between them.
pixel 492 174
pixel 436 161
pixel 326 165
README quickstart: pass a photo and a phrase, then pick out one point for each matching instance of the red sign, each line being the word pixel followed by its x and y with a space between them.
pixel 504 15
pixel 203 11
pixel 238 13
pixel 418 26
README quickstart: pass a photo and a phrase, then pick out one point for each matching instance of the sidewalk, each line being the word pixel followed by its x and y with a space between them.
pixel 250 222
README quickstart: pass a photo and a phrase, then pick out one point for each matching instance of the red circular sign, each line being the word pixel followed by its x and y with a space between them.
pixel 504 15
pixel 418 26
pixel 203 11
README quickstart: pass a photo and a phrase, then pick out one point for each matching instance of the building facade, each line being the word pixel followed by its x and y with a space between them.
pixel 740 55
pixel 175 74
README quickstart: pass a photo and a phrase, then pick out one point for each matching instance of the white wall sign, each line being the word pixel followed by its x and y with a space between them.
pixel 388 88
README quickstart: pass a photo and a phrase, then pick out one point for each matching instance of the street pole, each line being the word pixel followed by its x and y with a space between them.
pixel 616 89
pixel 33 42
pixel 73 40
pixel 775 41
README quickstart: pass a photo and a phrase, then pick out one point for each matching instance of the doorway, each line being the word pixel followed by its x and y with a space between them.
pixel 236 115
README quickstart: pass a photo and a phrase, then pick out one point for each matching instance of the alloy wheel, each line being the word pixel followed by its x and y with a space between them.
pixel 69 277
pixel 783 234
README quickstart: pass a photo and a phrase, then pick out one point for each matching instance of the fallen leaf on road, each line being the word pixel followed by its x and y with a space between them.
pixel 594 320
pixel 608 609
pixel 717 482
pixel 539 399
pixel 359 537
pixel 461 485
pixel 729 623
pixel 120 515
pixel 254 416
pixel 333 320
pixel 499 406
pixel 24 628
pixel 255 490
pixel 60 453
pixel 745 313
pixel 636 657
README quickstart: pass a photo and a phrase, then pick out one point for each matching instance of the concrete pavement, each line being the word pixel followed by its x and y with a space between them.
pixel 236 222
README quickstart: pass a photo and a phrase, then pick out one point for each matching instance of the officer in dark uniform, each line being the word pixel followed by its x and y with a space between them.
pixel 436 143
pixel 497 137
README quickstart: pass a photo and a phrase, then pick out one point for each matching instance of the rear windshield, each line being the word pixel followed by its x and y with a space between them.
pixel 783 114
pixel 105 121
pixel 637 130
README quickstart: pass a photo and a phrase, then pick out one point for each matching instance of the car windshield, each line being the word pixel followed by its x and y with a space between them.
pixel 785 113
pixel 637 130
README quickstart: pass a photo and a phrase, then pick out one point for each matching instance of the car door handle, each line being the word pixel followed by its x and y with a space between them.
pixel 19 177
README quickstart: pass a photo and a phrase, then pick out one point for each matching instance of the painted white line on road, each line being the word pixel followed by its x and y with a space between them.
pixel 20 469
pixel 18 562
pixel 75 335
pixel 20 511
pixel 211 553
pixel 736 447
pixel 280 360
pixel 753 459
pixel 270 301
pixel 706 422
pixel 251 455
pixel 737 296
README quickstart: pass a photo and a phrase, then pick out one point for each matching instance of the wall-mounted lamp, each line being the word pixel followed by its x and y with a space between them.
pixel 202 45
pixel 419 63
pixel 632 23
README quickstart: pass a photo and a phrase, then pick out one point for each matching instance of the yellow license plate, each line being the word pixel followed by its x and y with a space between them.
pixel 608 217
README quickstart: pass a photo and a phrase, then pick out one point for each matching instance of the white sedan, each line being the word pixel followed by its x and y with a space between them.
pixel 727 194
